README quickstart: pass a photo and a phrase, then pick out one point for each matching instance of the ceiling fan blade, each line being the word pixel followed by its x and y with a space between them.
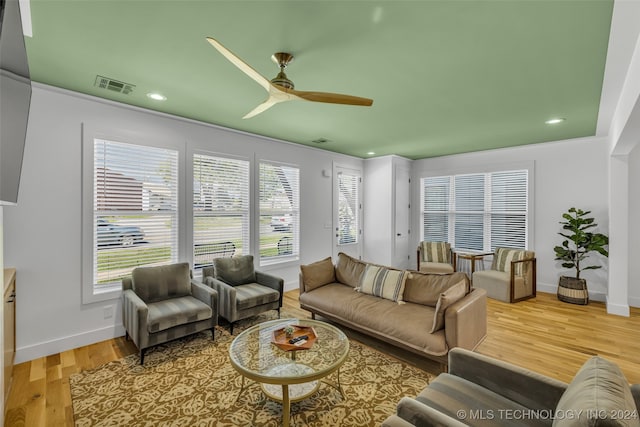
pixel 243 66
pixel 270 102
pixel 332 98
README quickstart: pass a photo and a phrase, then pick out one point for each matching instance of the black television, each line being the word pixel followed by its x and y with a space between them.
pixel 15 99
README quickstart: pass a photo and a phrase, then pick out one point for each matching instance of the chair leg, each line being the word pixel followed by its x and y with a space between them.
pixel 213 334
pixel 278 312
pixel 231 328
pixel 142 356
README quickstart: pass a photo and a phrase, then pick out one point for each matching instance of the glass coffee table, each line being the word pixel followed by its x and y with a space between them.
pixel 289 376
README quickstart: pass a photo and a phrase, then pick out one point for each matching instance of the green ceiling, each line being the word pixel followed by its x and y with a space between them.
pixel 445 76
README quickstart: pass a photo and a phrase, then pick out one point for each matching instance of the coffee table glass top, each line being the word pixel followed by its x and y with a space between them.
pixel 253 352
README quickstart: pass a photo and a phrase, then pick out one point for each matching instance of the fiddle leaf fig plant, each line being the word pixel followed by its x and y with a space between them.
pixel 579 241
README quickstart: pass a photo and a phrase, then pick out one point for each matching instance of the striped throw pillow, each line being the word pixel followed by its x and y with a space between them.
pixel 383 282
pixel 503 257
pixel 436 252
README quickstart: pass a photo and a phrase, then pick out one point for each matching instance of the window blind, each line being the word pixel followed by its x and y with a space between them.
pixel 220 208
pixel 477 212
pixel 348 204
pixel 135 209
pixel 279 188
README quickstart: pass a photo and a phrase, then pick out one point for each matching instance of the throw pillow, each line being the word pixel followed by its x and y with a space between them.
pixel 503 257
pixel 153 284
pixel 317 274
pixel 383 282
pixel 349 270
pixel 426 288
pixel 599 395
pixel 448 297
pixel 436 252
pixel 236 270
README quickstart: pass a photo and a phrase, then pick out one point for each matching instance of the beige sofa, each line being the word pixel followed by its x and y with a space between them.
pixel 431 313
pixel 481 391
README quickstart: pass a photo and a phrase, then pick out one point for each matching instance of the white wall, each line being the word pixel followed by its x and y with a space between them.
pixel 42 236
pixel 634 227
pixel 567 173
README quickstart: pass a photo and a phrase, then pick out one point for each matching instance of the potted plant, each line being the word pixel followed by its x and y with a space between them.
pixel 579 242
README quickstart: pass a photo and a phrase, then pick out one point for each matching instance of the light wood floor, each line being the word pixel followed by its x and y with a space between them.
pixel 543 334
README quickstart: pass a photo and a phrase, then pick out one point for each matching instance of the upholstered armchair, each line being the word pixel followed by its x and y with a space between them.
pixel 436 257
pixel 164 303
pixel 243 291
pixel 512 276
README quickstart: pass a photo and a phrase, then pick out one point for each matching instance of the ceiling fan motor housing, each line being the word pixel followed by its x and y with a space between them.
pixel 282 59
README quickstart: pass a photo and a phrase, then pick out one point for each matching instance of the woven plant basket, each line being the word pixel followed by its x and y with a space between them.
pixel 573 290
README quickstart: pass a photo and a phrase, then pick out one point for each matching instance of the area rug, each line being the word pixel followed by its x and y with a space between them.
pixel 190 382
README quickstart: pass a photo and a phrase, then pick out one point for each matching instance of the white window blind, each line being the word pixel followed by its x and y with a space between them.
pixel 509 209
pixel 135 209
pixel 477 212
pixel 348 204
pixel 220 208
pixel 279 212
pixel 435 206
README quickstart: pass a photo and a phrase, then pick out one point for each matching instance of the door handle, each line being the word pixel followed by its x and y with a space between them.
pixel 399 234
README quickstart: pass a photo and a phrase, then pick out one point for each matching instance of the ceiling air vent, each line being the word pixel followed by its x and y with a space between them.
pixel 320 140
pixel 114 85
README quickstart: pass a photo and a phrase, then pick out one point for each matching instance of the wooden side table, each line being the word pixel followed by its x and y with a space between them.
pixel 471 259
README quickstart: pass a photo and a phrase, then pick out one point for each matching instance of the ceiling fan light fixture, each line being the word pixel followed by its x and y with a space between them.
pixel 555 121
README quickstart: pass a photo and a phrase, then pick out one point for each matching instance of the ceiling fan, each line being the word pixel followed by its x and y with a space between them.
pixel 280 88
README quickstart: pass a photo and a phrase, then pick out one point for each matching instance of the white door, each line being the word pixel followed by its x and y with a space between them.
pixel 347 211
pixel 402 217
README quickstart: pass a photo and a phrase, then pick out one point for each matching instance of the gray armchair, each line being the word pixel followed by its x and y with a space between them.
pixel 164 303
pixel 243 291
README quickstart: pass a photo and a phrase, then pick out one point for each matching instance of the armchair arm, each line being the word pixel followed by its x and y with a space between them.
pixel 135 314
pixel 465 321
pixel 207 295
pixel 226 297
pixel 530 389
pixel 419 414
pixel 635 392
pixel 271 281
pixel 528 268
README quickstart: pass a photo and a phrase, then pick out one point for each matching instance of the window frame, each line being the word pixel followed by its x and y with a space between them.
pixel 528 166
pixel 277 261
pixel 89 134
pixel 190 211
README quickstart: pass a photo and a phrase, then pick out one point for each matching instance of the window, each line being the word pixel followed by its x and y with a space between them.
pixel 348 204
pixel 279 217
pixel 135 210
pixel 477 212
pixel 220 208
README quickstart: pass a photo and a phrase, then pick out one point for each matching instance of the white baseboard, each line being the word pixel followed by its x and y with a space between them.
pixel 553 289
pixel 24 354
pixel 618 309
pixel 634 301
pixel 289 286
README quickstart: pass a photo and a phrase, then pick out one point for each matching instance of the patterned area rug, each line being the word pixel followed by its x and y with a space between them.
pixel 190 382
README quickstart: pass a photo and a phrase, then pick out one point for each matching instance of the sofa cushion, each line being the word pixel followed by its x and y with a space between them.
pixel 172 312
pixel 349 270
pixel 455 396
pixel 158 283
pixel 425 288
pixel 448 297
pixel 378 317
pixel 383 282
pixel 436 267
pixel 317 274
pixel 599 395
pixel 253 294
pixel 235 271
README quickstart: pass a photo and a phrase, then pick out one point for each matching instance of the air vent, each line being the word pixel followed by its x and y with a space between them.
pixel 114 85
pixel 320 140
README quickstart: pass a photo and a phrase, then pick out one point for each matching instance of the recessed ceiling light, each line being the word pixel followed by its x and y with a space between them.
pixel 156 96
pixel 371 153
pixel 555 121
